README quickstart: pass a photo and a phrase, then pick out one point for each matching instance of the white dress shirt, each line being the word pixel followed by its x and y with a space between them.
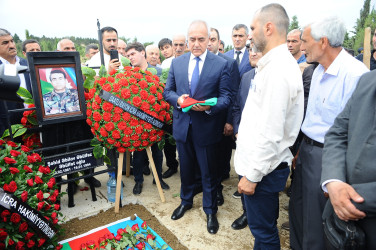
pixel 240 55
pixel 330 90
pixel 167 63
pixel 271 117
pixel 95 61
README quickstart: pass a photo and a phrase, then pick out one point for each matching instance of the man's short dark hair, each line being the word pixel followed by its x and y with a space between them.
pixel 137 46
pixel 163 42
pixel 90 46
pixel 108 29
pixel 28 41
pixel 214 29
pixel 57 71
pixel 241 26
pixel 223 43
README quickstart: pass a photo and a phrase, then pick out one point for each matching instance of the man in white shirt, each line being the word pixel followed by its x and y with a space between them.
pixel 110 42
pixel 333 83
pixel 270 124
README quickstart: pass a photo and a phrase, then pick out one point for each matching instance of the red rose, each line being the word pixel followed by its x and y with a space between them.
pixel 107 116
pixel 1 142
pixel 38 180
pixel 140 245
pixel 44 170
pixel 107 106
pixel 110 141
pixel 126 139
pixel 24 196
pixel 55 193
pixel 144 225
pixel 116 134
pixel 57 207
pixel 5 214
pixel 55 221
pixel 97 116
pixel 36 157
pixel 126 116
pixel 145 143
pixel 23 227
pixel 40 205
pixel 12 144
pixel 125 93
pixel 136 144
pixel 107 87
pixel 150 237
pixel 118 237
pixel 40 195
pixel 111 79
pixel 59 246
pixel 15 218
pixel 29 235
pixel 53 198
pixel 19 245
pixel 15 153
pixel 9 160
pixel 11 188
pixel 83 246
pixel 14 170
pixel 41 242
pixel 50 184
pixel 134 89
pixel 30 182
pixel 103 132
pixel 109 126
pixel 47 207
pixel 10 242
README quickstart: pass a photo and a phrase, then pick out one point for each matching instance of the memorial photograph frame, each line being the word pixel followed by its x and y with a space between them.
pixel 57 86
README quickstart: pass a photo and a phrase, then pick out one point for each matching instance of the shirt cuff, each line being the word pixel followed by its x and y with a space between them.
pixel 323 185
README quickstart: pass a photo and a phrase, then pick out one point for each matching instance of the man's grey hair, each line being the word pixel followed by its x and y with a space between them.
pixel 241 26
pixel 199 22
pixel 58 46
pixel 332 28
pixel 90 46
pixel 276 14
pixel 4 32
pixel 296 31
pixel 151 46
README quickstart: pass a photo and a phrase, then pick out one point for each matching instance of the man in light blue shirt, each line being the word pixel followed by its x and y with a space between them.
pixel 332 84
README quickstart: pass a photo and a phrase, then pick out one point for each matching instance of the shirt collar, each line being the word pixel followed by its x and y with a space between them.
pixel 202 56
pixel 4 61
pixel 334 67
pixel 242 50
pixel 265 59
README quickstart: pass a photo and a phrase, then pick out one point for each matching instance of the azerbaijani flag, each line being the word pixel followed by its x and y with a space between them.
pixel 45 83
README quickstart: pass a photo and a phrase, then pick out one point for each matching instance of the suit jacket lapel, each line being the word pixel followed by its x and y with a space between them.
pixel 184 67
pixel 245 60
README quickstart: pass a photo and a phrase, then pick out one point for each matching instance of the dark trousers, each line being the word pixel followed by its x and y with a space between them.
pixel 369 227
pixel 307 200
pixel 140 159
pixel 170 154
pixel 263 209
pixel 192 157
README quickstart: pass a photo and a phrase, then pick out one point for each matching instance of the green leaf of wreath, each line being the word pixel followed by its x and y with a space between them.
pixel 28 101
pixel 152 70
pixel 20 132
pixel 106 160
pixel 161 144
pixel 89 82
pixel 32 120
pixel 164 75
pixel 95 142
pixel 24 93
pixel 98 151
pixel 125 61
pixel 102 71
pixel 88 72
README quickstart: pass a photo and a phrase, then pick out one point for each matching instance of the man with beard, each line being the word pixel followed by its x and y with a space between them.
pixel 110 42
pixel 270 124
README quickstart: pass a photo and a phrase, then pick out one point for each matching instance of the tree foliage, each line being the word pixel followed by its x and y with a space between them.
pixel 294 24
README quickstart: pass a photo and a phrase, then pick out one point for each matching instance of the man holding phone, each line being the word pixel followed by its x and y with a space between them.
pixel 112 60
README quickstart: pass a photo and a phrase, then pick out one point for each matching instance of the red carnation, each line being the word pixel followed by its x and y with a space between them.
pixel 9 160
pixel 110 141
pixel 40 195
pixel 145 143
pixel 143 84
pixel 126 116
pixel 112 72
pixel 1 142
pixel 148 126
pixel 38 180
pixel 116 117
pixel 24 196
pixel 15 218
pixel 136 144
pixel 118 110
pixel 98 99
pixel 157 107
pixel 89 122
pixel 97 116
pixel 25 149
pixel 119 76
pixel 107 106
pixel 12 144
pixel 15 153
pixel 14 170
pixel 89 112
pixel 128 144
pixel 125 93
pixel 134 122
pixel 144 136
pixel 30 243
pixel 23 227
pixel 109 126
pixel 160 96
pixel 103 132
pixel 153 138
pixel 116 87
pixel 153 89
pixel 138 129
pixel 102 80
pixel 96 126
pixel 95 106
pixel 136 101
pixel 107 116
pixel 11 188
pixel 123 82
pixel 126 139
pixel 151 99
pixel 137 75
pixel 116 134
pixel 111 79
pixel 121 149
pixel 30 182
pixel 134 89
pixel 107 87
pixel 41 242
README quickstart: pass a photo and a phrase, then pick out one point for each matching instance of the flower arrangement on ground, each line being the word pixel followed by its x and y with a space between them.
pixel 127 238
pixel 28 190
pixel 113 126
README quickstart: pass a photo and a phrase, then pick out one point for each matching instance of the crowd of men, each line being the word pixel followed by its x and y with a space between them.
pixel 286 100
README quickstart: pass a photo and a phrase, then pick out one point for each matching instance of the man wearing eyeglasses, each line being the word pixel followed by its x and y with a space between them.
pixel 239 53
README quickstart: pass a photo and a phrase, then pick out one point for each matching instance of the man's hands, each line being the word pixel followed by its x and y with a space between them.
pixel 196 107
pixel 341 194
pixel 228 129
pixel 182 98
pixel 114 64
pixel 246 187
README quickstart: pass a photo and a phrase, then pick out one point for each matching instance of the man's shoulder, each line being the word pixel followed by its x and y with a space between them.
pixel 352 66
pixel 226 57
pixel 23 61
pixel 48 95
pixel 229 53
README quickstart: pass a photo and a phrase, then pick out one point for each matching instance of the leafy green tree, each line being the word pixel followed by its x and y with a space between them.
pixel 370 21
pixel 294 24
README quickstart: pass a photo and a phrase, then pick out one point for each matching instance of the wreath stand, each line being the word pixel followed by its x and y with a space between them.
pixel 119 176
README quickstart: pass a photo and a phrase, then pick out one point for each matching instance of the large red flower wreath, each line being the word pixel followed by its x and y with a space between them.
pixel 117 128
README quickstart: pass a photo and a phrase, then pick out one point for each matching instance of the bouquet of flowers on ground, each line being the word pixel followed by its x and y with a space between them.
pixel 29 196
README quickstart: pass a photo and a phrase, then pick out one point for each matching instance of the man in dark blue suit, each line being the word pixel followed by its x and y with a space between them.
pixel 239 53
pixel 200 75
pixel 8 55
pixel 227 142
